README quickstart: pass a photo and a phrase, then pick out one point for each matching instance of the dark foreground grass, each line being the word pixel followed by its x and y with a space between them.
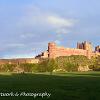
pixel 65 86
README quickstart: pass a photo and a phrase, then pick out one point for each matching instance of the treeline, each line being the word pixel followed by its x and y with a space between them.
pixel 45 65
pixel 68 63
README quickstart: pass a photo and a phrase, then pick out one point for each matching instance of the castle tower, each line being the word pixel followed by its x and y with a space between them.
pixel 80 45
pixel 97 49
pixel 52 50
pixel 84 45
pixel 87 46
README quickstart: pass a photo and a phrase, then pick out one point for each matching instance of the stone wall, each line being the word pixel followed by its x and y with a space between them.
pixel 55 51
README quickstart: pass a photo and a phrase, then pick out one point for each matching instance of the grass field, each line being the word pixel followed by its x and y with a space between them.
pixel 61 86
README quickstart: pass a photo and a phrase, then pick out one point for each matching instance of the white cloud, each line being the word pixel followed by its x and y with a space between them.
pixel 37 18
pixel 58 42
pixel 62 31
pixel 27 35
pixel 15 45
pixel 59 21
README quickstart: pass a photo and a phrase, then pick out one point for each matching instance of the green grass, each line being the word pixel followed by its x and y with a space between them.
pixel 62 86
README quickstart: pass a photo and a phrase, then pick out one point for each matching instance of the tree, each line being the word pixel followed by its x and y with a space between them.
pixel 51 65
pixel 95 63
pixel 26 67
pixel 71 67
pixel 9 67
pixel 42 66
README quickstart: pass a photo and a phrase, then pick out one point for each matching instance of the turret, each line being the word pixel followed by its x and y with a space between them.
pixel 52 50
pixel 97 49
pixel 85 46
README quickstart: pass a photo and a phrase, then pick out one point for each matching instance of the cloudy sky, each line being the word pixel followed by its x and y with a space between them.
pixel 26 26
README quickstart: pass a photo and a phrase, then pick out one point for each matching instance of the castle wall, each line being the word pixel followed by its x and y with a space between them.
pixel 69 52
pixel 55 51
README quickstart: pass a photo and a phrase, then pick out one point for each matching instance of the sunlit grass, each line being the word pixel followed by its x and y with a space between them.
pixel 5 73
pixel 62 86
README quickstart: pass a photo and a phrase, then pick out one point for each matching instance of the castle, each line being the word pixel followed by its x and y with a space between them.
pixel 84 48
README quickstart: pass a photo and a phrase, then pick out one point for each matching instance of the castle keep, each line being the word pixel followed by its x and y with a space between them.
pixel 84 48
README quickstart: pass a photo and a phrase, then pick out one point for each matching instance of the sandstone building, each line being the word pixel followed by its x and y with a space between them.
pixel 84 48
